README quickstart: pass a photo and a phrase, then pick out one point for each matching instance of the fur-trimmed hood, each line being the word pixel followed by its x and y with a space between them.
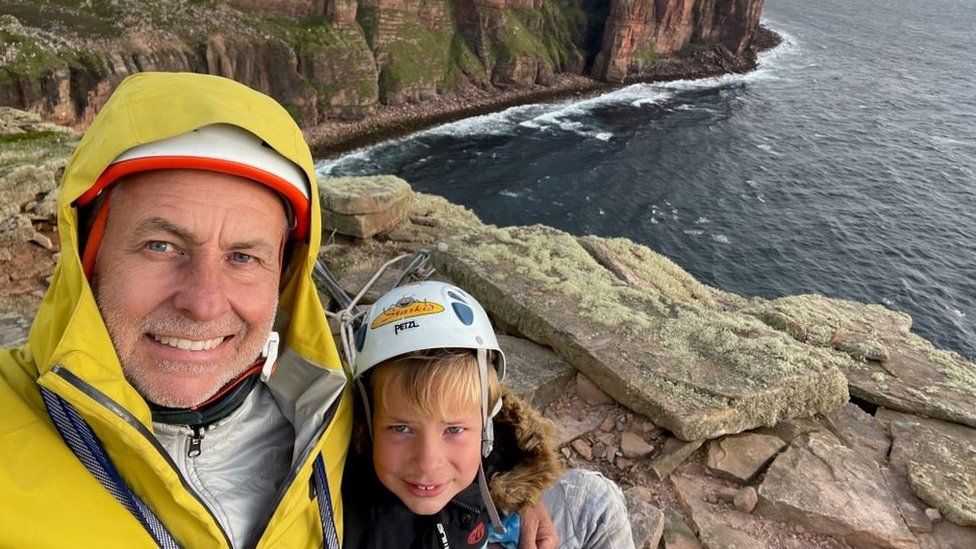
pixel 525 462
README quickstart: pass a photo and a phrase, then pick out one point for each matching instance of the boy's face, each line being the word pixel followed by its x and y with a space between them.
pixel 425 460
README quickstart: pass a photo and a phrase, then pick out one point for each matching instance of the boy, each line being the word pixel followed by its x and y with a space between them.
pixel 429 395
pixel 429 368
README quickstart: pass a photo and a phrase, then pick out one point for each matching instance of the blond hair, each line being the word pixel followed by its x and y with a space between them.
pixel 434 382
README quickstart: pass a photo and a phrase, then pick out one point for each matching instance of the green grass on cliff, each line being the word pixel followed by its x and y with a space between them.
pixel 35 148
pixel 414 57
pixel 26 55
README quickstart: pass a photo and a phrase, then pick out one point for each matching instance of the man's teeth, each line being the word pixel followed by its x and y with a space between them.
pixel 189 344
pixel 425 487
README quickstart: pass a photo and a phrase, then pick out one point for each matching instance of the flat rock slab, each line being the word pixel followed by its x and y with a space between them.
pixel 535 373
pixel 363 206
pixel 740 457
pixel 892 367
pixel 362 195
pixel 854 427
pixel 677 534
pixel 713 532
pixel 831 489
pixel 673 456
pixel 947 535
pixel 939 461
pixel 646 520
pixel 670 349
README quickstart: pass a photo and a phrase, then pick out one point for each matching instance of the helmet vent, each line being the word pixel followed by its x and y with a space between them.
pixel 454 295
pixel 464 313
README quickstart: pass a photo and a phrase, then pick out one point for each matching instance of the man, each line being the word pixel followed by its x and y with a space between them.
pixel 180 386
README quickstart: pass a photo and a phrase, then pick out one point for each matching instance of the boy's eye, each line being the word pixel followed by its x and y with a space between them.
pixel 454 430
pixel 159 246
pixel 399 428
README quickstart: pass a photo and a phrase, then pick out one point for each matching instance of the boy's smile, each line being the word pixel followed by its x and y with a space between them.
pixel 425 461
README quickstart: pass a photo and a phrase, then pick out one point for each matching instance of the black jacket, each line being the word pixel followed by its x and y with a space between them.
pixel 522 465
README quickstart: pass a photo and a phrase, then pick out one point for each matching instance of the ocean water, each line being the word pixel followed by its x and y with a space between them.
pixel 845 165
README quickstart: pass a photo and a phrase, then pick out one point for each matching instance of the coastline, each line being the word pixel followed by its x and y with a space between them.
pixel 335 137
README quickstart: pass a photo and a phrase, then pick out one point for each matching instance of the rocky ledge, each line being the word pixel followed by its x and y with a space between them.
pixel 729 421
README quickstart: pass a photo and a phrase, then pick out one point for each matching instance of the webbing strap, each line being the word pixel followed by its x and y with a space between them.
pixel 330 538
pixel 79 436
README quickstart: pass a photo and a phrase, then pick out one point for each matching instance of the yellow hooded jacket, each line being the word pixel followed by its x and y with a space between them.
pixel 49 498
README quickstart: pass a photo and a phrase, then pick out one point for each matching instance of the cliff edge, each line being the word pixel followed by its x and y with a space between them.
pixel 341 59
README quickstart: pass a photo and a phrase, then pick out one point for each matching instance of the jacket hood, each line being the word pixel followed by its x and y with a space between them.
pixel 147 107
pixel 527 455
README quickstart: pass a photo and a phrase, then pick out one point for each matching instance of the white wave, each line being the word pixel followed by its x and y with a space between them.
pixel 721 238
pixel 652 100
pixel 951 142
pixel 510 194
pixel 358 157
pixel 567 115
pixel 693 232
pixel 702 220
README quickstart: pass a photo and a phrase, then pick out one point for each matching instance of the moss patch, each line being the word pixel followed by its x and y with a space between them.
pixel 36 147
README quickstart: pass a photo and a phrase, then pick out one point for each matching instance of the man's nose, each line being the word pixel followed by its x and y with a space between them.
pixel 202 294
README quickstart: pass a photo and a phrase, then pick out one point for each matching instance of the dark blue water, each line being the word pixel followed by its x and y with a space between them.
pixel 845 165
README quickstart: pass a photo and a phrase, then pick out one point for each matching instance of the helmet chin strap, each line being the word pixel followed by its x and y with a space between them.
pixel 487 441
pixel 270 354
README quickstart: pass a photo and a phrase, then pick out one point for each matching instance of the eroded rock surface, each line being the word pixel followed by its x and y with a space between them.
pixel 537 374
pixel 671 348
pixel 824 486
pixel 363 206
pixel 712 530
pixel 939 460
pixel 740 457
pixel 891 366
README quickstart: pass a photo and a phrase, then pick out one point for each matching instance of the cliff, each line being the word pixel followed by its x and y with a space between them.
pixel 341 59
pixel 630 357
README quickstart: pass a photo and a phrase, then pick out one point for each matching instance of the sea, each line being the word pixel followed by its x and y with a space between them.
pixel 845 165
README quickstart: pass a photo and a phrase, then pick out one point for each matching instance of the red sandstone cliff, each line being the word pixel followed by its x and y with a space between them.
pixel 341 58
pixel 639 32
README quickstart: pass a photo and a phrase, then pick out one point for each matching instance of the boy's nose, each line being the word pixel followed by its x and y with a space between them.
pixel 430 454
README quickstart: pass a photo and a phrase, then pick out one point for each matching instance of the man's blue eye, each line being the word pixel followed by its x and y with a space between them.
pixel 159 246
pixel 242 257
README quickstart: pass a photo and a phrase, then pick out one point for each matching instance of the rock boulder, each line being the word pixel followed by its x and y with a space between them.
pixel 939 460
pixel 826 487
pixel 363 206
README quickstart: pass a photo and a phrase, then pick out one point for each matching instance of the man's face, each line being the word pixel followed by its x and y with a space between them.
pixel 425 460
pixel 187 279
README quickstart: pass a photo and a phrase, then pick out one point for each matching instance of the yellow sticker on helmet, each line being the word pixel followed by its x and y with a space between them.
pixel 407 307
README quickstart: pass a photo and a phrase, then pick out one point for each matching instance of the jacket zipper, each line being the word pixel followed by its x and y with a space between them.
pixel 127 416
pixel 195 439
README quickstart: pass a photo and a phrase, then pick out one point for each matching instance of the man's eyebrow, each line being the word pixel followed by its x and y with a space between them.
pixel 152 224
pixel 255 245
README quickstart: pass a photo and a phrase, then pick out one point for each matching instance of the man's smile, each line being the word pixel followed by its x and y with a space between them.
pixel 189 344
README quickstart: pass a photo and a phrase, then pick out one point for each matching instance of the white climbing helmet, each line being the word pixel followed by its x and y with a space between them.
pixel 430 315
pixel 221 148
pixel 420 316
